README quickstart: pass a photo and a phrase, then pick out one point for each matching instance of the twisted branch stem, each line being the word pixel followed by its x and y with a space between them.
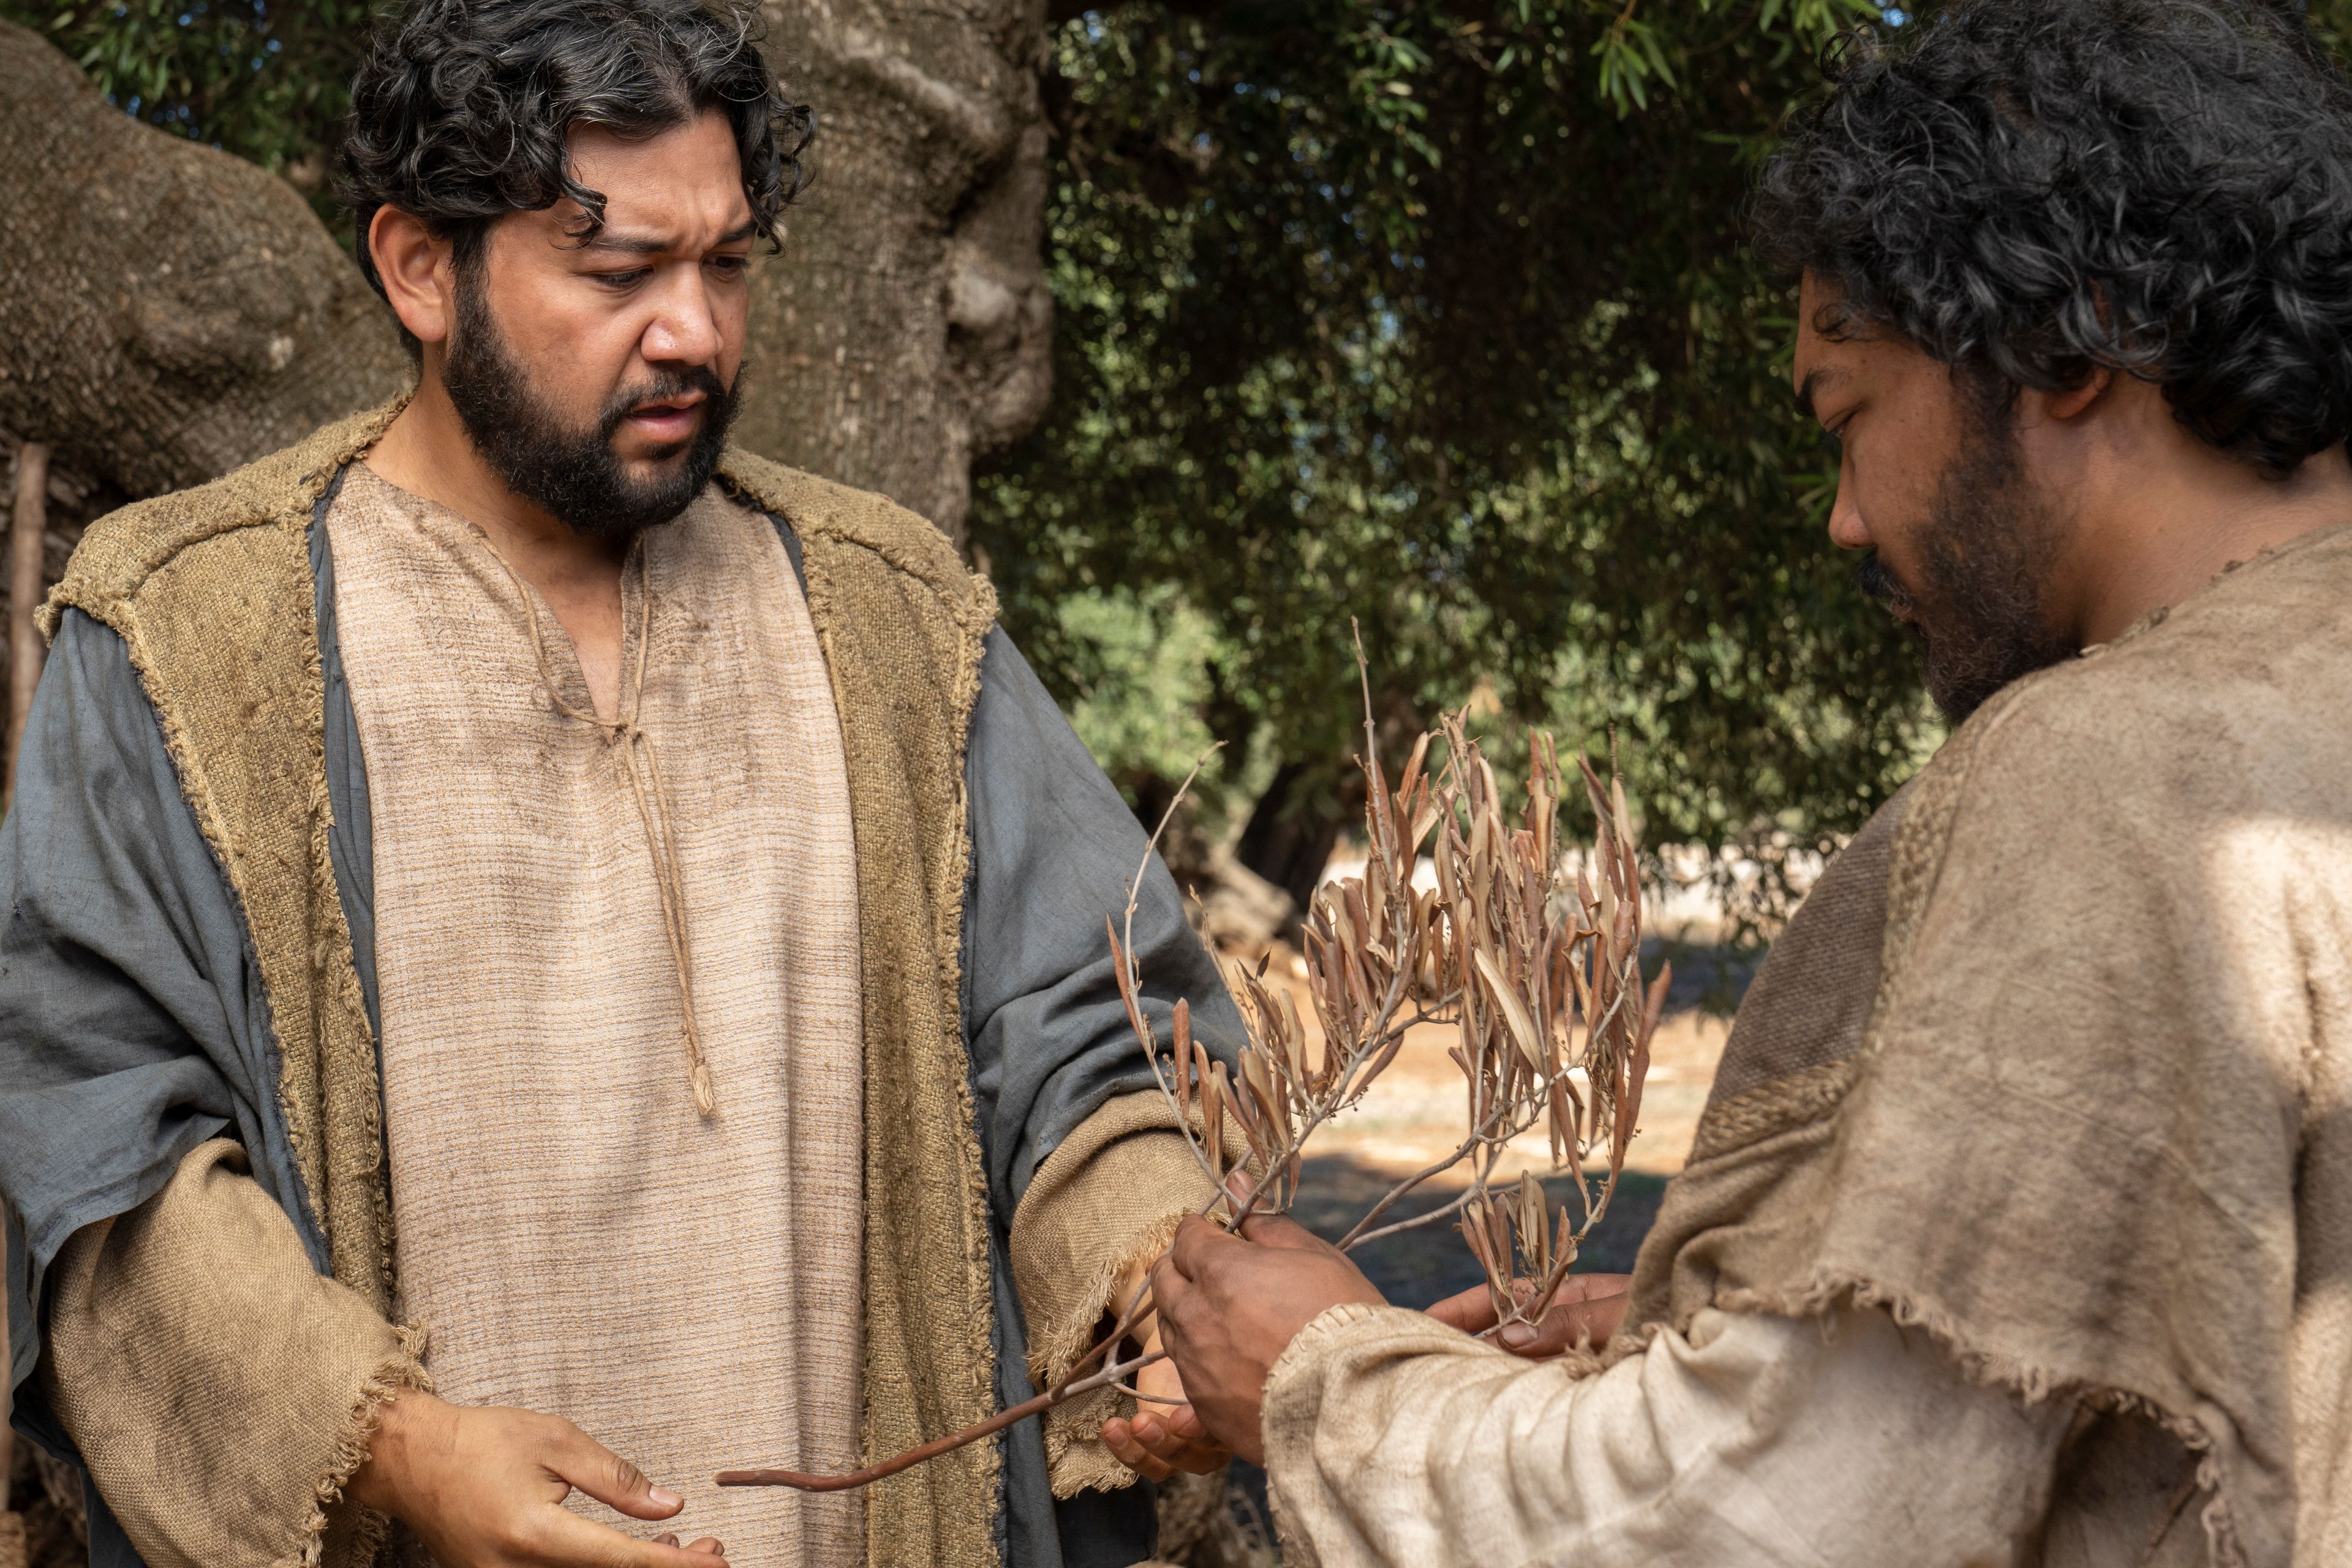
pixel 803 1482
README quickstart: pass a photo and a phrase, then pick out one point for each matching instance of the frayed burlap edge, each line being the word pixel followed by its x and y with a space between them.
pixel 1075 1458
pixel 399 1375
pixel 1111 1195
pixel 2034 1384
pixel 844 534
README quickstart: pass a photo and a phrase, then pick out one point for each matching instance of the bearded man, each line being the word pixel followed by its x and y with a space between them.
pixel 528 929
pixel 2016 1227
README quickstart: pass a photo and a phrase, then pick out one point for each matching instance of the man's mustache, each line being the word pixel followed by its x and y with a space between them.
pixel 1878 580
pixel 664 385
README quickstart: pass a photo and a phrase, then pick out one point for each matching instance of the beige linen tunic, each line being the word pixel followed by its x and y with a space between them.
pixel 573 1235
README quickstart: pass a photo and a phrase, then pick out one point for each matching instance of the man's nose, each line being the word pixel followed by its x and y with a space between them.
pixel 1847 529
pixel 684 329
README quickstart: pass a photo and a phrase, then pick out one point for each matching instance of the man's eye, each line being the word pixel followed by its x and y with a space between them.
pixel 731 265
pixel 621 279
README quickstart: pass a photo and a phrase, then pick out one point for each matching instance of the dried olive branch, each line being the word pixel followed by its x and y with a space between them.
pixel 1530 952
pixel 800 1481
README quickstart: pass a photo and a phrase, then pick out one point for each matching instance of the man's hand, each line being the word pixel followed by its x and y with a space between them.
pixel 1164 1436
pixel 1230 1305
pixel 485 1488
pixel 1588 1308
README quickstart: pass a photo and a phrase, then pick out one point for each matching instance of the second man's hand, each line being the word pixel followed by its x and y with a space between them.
pixel 1164 1436
pixel 1585 1312
pixel 484 1488
pixel 1230 1305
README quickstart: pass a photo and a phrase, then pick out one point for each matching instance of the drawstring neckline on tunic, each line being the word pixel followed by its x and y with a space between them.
pixel 653 805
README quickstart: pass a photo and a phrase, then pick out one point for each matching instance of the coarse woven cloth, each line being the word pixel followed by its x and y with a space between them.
pixel 210 591
pixel 1104 1205
pixel 153 1317
pixel 587 1270
pixel 2057 1060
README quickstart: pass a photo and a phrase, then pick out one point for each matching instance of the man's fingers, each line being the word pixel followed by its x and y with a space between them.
pixel 1281 1230
pixel 1565 1326
pixel 710 1545
pixel 1179 1442
pixel 1592 1287
pixel 1153 1446
pixel 1471 1311
pixel 610 1478
pixel 1196 1239
pixel 576 1542
pixel 1119 1437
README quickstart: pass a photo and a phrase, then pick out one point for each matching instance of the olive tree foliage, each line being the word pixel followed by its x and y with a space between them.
pixel 1434 315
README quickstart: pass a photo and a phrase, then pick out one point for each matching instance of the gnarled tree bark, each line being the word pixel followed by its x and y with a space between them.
pixel 905 330
pixel 171 312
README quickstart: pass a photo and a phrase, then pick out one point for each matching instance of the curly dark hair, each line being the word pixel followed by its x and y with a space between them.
pixel 460 108
pixel 2032 189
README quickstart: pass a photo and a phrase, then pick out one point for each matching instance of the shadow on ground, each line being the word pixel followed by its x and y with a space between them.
pixel 1418 1267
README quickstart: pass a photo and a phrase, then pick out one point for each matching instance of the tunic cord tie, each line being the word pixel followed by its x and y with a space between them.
pixel 653 807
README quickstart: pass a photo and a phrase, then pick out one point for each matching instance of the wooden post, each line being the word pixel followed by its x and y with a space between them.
pixel 28 522
pixel 26 588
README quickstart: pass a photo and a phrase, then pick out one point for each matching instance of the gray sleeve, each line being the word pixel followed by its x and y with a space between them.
pixel 1052 850
pixel 132 1023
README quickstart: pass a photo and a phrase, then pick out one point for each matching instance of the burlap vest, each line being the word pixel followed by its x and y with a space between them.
pixel 212 592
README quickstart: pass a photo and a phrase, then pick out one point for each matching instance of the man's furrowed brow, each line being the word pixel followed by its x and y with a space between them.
pixel 658 244
pixel 628 244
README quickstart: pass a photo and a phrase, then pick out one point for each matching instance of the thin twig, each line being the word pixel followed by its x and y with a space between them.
pixel 804 1481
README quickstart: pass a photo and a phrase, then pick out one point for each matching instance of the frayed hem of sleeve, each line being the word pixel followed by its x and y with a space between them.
pixel 401 1373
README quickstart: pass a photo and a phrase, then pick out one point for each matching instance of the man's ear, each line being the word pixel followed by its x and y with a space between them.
pixel 2073 400
pixel 415 266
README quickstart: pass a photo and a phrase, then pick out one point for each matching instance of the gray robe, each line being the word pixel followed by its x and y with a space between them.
pixel 133 1023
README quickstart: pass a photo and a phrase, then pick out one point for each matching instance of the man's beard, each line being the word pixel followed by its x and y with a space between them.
pixel 1985 551
pixel 573 474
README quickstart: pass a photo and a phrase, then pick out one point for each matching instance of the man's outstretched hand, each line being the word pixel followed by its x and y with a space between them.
pixel 484 1488
pixel 1586 1312
pixel 1230 1305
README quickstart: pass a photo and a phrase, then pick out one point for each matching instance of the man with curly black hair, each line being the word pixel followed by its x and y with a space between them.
pixel 2014 1231
pixel 534 936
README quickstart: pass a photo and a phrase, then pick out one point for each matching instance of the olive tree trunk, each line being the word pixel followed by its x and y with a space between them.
pixel 170 311
pixel 904 331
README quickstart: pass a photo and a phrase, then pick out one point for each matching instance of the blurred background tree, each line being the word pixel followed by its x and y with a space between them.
pixel 1433 315
pixel 264 81
pixel 1437 315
